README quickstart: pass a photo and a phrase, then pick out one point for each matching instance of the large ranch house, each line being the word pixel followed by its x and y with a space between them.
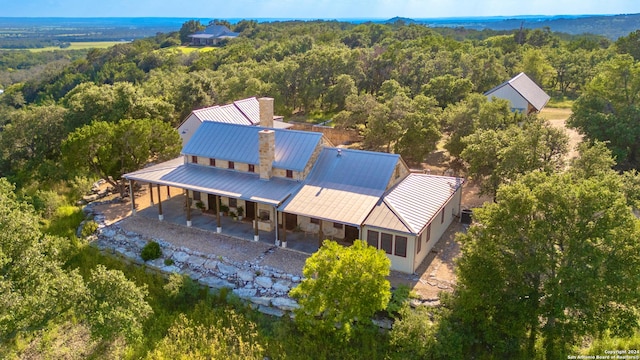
pixel 291 182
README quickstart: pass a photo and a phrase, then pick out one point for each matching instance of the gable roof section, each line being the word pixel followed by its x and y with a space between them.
pixel 228 114
pixel 343 186
pixel 250 107
pixel 527 88
pixel 239 143
pixel 237 184
pixel 410 205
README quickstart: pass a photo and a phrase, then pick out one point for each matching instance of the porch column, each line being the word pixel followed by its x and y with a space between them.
pixel 255 223
pixel 284 231
pixel 133 197
pixel 320 235
pixel 168 192
pixel 160 215
pixel 218 221
pixel 188 209
pixel 151 194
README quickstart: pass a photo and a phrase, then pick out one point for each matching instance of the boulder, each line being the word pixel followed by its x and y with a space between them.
pixel 261 300
pixel 263 281
pixel 285 304
pixel 216 283
pixel 282 286
pixel 245 275
pixel 245 293
pixel 227 269
pixel 180 256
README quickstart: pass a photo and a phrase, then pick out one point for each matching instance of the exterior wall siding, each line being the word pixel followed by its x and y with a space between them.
pixel 188 128
pixel 451 213
pixel 517 101
pixel 398 263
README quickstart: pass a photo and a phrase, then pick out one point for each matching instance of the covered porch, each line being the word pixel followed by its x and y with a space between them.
pixel 173 210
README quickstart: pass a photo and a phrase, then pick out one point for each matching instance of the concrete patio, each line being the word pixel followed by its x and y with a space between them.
pixel 173 211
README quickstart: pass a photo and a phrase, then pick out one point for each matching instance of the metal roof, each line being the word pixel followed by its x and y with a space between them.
pixel 214 31
pixel 211 180
pixel 250 108
pixel 228 114
pixel 343 186
pixel 527 88
pixel 239 143
pixel 413 202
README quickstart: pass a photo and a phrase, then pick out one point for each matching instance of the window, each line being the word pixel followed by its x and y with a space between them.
pixel 212 162
pixel 372 238
pixel 442 217
pixel 338 225
pixel 315 221
pixel 290 174
pixel 232 165
pixel 265 215
pixel 233 203
pixel 194 159
pixel 428 232
pixel 401 246
pixel 196 196
pixel 252 168
pixel 386 242
pixel 419 243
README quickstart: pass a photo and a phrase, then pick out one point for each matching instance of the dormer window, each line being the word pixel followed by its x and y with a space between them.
pixel 252 168
pixel 232 165
pixel 290 174
pixel 212 162
pixel 194 159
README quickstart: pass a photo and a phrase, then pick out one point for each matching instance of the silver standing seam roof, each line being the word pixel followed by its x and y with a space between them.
pixel 343 186
pixel 239 143
pixel 527 88
pixel 411 204
pixel 217 181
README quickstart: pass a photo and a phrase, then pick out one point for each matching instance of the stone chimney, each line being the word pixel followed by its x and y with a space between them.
pixel 266 151
pixel 266 112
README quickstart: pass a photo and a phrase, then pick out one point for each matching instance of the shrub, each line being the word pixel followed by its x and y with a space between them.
pixel 89 228
pixel 168 262
pixel 151 251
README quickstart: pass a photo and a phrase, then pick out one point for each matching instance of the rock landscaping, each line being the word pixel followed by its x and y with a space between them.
pixel 265 287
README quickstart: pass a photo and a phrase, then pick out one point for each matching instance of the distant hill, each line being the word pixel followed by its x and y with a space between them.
pixel 610 26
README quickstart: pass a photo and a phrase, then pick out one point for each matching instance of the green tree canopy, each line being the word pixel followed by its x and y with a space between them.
pixel 34 288
pixel 609 108
pixel 554 259
pixel 110 150
pixel 115 306
pixel 342 285
pixel 495 157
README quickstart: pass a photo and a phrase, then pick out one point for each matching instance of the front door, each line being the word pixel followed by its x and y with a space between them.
pixel 351 233
pixel 292 221
pixel 250 210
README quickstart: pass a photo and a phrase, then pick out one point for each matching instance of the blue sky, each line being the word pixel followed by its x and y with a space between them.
pixel 311 9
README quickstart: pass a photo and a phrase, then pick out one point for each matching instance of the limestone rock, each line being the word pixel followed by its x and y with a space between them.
pixel 285 304
pixel 263 281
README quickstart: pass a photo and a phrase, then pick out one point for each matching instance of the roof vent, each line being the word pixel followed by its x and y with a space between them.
pixel 339 152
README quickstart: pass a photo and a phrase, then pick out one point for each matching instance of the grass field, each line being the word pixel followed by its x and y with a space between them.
pixel 81 45
pixel 190 49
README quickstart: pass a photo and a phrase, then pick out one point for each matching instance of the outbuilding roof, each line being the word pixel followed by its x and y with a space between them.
pixel 527 88
pixel 411 204
pixel 217 181
pixel 343 186
pixel 293 149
